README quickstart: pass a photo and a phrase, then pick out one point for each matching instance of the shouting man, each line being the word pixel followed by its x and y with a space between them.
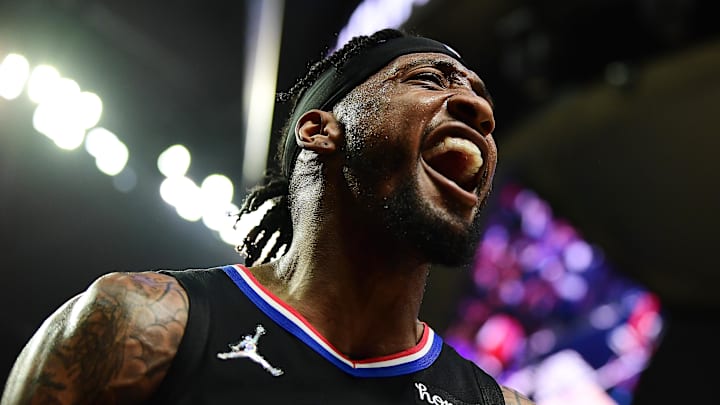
pixel 385 163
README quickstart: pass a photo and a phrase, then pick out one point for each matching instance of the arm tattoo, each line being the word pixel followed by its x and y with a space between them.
pixel 112 344
pixel 512 397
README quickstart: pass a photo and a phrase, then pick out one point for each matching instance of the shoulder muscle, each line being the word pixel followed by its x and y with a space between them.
pixel 113 343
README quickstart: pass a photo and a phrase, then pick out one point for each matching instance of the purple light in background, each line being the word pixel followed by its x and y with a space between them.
pixel 522 199
pixel 561 234
pixel 464 347
pixel 542 341
pixel 533 273
pixel 494 243
pixel 522 380
pixel 622 340
pixel 566 378
pixel 501 337
pixel 490 364
pixel 486 276
pixel 604 317
pixel 571 287
pixel 650 325
pixel 530 256
pixel 512 292
pixel 645 319
pixel 372 15
pixel 552 270
pixel 540 299
pixel 578 256
pixel 534 212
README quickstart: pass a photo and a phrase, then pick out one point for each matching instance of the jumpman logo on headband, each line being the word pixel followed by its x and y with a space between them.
pixel 248 348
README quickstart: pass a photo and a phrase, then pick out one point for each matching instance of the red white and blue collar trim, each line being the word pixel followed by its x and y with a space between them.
pixel 408 361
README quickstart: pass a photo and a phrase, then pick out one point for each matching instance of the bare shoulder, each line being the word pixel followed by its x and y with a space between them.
pixel 512 397
pixel 133 291
pixel 113 343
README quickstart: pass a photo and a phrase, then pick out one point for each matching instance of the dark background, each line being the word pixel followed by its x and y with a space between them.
pixel 609 109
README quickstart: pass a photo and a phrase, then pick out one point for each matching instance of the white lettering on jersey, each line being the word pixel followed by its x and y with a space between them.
pixel 430 399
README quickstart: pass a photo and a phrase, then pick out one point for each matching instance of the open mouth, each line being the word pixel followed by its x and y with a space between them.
pixel 457 159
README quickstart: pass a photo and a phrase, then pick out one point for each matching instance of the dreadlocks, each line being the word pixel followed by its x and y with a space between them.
pixel 277 219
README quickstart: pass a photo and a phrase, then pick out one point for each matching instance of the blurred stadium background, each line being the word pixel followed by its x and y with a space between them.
pixel 128 129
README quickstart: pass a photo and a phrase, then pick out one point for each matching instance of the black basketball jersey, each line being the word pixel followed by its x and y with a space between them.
pixel 243 345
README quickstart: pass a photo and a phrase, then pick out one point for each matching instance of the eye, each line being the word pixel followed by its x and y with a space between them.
pixel 430 79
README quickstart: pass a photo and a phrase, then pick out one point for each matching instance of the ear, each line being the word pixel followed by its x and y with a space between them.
pixel 318 131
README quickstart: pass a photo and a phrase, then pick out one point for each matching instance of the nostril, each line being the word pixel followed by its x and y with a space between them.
pixel 467 110
pixel 487 127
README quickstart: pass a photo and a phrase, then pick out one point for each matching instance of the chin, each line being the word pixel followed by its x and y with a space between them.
pixel 437 235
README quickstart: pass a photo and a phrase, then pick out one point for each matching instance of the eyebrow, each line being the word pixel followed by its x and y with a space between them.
pixel 448 68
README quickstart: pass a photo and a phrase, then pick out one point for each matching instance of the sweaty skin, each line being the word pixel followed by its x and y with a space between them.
pixel 353 269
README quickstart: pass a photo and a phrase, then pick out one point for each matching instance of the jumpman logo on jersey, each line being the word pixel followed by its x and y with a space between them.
pixel 248 348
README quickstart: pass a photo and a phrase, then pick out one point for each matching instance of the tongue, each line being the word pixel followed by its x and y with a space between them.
pixel 457 159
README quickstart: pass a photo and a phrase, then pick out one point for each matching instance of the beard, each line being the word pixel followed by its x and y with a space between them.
pixel 439 237
pixel 412 222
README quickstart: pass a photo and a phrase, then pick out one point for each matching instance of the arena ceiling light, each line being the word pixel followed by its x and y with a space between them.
pixel 14 72
pixel 211 201
pixel 174 161
pixel 110 153
pixel 41 83
pixel 64 113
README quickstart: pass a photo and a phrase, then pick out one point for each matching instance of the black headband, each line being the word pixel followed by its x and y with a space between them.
pixel 334 83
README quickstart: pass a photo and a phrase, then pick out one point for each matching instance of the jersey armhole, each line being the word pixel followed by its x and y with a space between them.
pixel 489 389
pixel 193 342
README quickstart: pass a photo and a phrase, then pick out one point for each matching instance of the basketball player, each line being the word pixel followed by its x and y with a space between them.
pixel 385 163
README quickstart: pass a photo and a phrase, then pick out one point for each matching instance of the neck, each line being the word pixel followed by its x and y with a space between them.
pixel 352 285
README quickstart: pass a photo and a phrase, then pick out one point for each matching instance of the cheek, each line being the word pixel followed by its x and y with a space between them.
pixel 359 114
pixel 383 134
pixel 370 120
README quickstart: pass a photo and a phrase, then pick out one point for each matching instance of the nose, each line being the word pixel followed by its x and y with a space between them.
pixel 473 110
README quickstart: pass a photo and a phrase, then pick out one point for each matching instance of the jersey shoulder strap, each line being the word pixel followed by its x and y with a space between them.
pixel 192 348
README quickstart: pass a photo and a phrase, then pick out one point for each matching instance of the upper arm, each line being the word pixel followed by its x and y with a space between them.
pixel 513 397
pixel 111 344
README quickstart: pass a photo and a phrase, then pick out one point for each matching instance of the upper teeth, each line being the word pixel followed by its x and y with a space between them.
pixel 470 150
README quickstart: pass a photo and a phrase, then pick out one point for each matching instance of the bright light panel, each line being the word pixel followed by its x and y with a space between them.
pixel 89 109
pixel 65 112
pixel 14 72
pixel 220 217
pixel 188 201
pixel 56 121
pixel 174 161
pixel 42 81
pixel 111 154
pixel 217 188
pixel 173 189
